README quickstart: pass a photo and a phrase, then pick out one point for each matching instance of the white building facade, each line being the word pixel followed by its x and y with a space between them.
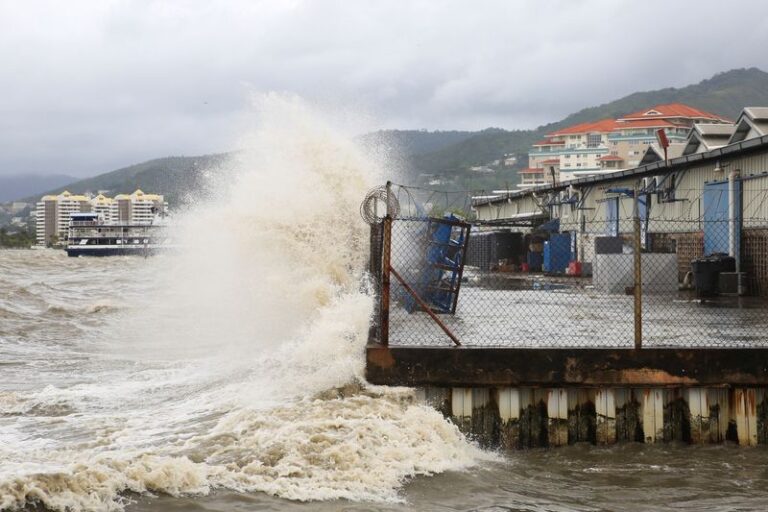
pixel 53 212
pixel 609 145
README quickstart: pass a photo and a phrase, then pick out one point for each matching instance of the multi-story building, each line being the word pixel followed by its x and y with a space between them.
pixel 137 208
pixel 53 212
pixel 605 146
pixel 52 216
pixel 102 205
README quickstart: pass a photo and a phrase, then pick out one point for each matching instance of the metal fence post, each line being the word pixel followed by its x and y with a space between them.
pixel 638 288
pixel 386 247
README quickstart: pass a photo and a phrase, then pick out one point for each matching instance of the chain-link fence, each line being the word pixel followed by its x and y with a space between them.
pixel 570 281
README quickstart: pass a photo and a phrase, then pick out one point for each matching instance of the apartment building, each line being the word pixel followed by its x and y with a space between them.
pixel 136 208
pixel 102 205
pixel 608 145
pixel 52 216
pixel 53 212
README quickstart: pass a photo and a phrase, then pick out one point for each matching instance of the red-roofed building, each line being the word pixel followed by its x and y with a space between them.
pixel 676 112
pixel 609 145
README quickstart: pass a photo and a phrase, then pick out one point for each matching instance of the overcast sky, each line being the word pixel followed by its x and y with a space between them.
pixel 86 87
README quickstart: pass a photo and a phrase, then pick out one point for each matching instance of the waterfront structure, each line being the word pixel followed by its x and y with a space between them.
pixel 609 145
pixel 53 212
pixel 673 190
pixel 554 356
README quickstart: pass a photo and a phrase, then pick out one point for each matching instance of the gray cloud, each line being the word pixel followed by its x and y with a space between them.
pixel 88 86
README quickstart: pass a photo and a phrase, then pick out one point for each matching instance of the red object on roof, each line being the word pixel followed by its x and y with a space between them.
pixel 532 170
pixel 672 110
pixel 549 142
pixel 551 161
pixel 604 125
pixel 611 158
pixel 662 138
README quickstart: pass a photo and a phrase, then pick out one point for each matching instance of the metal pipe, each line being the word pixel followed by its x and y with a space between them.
pixel 386 254
pixel 731 215
pixel 425 307
pixel 638 288
pixel 733 244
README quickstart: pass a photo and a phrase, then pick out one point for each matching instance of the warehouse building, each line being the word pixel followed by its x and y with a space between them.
pixel 712 199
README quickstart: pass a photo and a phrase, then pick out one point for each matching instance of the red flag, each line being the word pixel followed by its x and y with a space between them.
pixel 661 136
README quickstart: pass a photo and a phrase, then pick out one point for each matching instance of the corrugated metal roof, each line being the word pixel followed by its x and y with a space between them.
pixel 757 113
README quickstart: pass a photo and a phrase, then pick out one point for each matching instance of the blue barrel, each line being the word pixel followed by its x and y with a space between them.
pixel 557 253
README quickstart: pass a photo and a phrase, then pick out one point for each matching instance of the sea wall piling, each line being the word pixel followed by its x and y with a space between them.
pixel 525 398
pixel 524 417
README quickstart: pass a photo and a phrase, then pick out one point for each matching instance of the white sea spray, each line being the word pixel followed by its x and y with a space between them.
pixel 236 363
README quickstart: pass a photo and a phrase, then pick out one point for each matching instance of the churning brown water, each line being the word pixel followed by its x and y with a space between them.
pixel 228 376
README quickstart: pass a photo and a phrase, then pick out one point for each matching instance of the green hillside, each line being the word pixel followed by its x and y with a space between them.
pixel 178 178
pixel 724 94
pixel 415 142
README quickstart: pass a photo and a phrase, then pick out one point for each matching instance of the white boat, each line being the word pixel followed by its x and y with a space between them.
pixel 89 235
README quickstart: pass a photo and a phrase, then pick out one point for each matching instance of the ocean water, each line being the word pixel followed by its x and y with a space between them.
pixel 228 375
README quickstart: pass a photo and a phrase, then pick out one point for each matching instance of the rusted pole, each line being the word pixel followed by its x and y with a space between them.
pixel 638 288
pixel 460 275
pixel 386 246
pixel 425 307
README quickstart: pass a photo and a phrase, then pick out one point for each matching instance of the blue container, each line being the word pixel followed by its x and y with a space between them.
pixel 557 253
pixel 535 259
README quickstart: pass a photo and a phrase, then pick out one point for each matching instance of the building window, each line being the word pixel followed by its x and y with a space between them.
pixel 593 140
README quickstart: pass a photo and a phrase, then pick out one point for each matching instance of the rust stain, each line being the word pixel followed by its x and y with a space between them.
pixel 381 357
pixel 751 400
pixel 644 376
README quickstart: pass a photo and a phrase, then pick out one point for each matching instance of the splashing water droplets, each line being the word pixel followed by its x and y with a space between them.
pixel 216 373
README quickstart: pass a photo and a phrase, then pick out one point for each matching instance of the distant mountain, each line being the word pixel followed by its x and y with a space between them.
pixel 176 177
pixel 22 185
pixel 415 142
pixel 724 94
pixel 443 157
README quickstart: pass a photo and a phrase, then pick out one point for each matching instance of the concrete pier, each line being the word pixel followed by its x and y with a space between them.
pixel 525 398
